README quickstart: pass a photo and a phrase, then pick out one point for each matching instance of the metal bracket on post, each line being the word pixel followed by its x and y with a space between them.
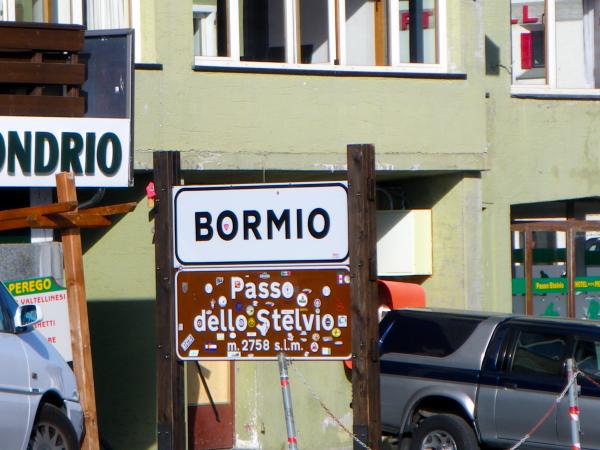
pixel 287 402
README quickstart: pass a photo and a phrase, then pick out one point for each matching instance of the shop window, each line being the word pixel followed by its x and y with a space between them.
pixel 555 43
pixel 321 33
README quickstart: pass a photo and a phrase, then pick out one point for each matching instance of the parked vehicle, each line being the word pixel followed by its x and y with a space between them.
pixel 457 380
pixel 39 403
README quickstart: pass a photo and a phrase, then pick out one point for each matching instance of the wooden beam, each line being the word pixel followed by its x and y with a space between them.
pixel 110 210
pixel 41 73
pixel 63 220
pixel 36 36
pixel 78 316
pixel 171 429
pixel 37 210
pixel 41 105
pixel 363 295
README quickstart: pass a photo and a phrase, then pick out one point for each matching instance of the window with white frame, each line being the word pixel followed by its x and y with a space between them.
pixel 556 44
pixel 45 11
pixel 321 33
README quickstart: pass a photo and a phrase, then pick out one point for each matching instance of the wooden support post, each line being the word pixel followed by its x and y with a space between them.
pixel 363 295
pixel 78 315
pixel 169 382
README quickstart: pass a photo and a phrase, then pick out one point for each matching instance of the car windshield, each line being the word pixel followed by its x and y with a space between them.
pixel 9 305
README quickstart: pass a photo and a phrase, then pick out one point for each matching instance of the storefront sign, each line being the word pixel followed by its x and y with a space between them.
pixel 261 224
pixel 52 298
pixel 257 314
pixel 556 285
pixel 34 149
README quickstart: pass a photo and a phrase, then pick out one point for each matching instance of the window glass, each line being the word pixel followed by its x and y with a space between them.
pixel 572 32
pixel 418 45
pixel 539 353
pixel 108 14
pixel 49 11
pixel 262 30
pixel 563 31
pixel 360 33
pixel 314 31
pixel 587 357
pixel 210 28
pixel 435 335
pixel 8 308
pixel 528 42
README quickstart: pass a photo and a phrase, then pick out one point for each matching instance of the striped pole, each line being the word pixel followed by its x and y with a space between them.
pixel 287 402
pixel 573 407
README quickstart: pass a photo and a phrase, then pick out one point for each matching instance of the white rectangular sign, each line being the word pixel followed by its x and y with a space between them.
pixel 261 223
pixel 34 149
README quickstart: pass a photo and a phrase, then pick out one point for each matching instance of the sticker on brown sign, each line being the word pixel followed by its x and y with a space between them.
pixel 257 314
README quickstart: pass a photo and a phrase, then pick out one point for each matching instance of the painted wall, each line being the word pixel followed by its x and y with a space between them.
pixel 282 127
pixel 539 150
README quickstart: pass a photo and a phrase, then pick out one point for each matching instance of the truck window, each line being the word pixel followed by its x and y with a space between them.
pixel 586 357
pixel 539 353
pixel 435 335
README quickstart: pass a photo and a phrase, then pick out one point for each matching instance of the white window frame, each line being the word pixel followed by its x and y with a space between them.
pixel 291 12
pixel 549 88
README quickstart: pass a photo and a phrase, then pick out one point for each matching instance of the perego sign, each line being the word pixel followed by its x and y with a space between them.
pixel 261 223
pixel 34 149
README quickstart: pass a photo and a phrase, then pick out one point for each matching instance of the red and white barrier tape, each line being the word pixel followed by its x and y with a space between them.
pixel 540 422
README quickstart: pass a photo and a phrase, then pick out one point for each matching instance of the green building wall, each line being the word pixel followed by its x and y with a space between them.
pixel 431 139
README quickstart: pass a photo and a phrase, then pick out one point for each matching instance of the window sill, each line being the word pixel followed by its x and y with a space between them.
pixel 406 71
pixel 545 93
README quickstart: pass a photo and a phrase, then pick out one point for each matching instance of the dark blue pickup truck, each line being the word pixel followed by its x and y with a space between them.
pixel 458 380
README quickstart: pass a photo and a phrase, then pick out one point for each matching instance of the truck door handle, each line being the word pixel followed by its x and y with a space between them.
pixel 511 385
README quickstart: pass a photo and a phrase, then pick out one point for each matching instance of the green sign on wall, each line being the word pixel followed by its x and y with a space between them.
pixel 555 285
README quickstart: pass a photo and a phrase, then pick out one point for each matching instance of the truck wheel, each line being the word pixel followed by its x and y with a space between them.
pixel 444 432
pixel 52 430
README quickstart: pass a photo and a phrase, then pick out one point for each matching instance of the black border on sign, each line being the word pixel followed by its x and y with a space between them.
pixel 251 186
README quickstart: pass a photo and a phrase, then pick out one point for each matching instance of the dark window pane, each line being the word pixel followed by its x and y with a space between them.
pixel 435 335
pixel 539 353
pixel 586 358
pixel 262 37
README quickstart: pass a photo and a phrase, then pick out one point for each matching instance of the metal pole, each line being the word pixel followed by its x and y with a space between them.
pixel 573 406
pixel 287 402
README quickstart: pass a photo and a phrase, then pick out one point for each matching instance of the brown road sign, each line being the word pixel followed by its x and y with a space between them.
pixel 257 314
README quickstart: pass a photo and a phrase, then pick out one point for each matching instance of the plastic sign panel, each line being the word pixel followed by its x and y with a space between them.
pixel 34 149
pixel 52 298
pixel 257 314
pixel 261 224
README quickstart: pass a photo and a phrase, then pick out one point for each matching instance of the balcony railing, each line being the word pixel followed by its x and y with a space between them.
pixel 39 70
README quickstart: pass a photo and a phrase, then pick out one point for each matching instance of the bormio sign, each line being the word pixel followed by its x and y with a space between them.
pixel 261 224
pixel 257 314
pixel 34 149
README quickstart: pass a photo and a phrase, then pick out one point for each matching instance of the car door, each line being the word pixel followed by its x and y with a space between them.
pixel 14 385
pixel 529 383
pixel 586 351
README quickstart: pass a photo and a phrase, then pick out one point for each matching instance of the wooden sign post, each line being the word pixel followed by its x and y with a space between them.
pixel 170 406
pixel 78 315
pixel 363 295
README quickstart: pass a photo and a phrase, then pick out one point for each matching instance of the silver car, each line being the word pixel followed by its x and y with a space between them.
pixel 39 403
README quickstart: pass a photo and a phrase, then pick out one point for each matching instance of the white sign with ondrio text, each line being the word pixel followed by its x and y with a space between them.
pixel 261 223
pixel 34 149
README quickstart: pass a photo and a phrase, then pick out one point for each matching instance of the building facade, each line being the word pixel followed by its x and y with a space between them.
pixel 480 114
